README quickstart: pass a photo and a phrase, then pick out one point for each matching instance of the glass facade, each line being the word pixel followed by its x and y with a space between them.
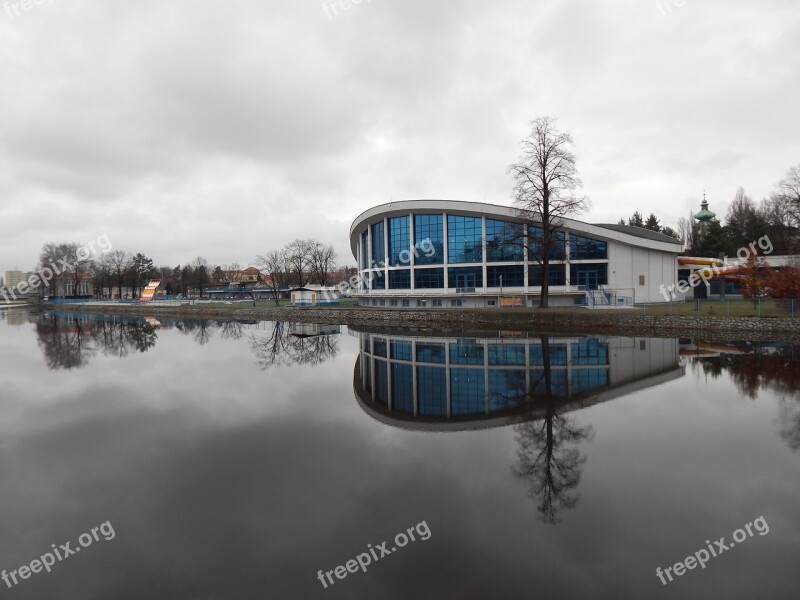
pixel 556 274
pixel 465 277
pixel 431 386
pixel 558 355
pixel 507 354
pixel 430 353
pixel 403 388
pixel 558 245
pixel 379 347
pixel 428 278
pixel 381 382
pixel 466 354
pixel 581 248
pixel 590 275
pixel 464 239
pixel 400 280
pixel 399 241
pixel 506 389
pixel 364 250
pixel 466 391
pixel 512 276
pixel 378 258
pixel 401 350
pixel 590 351
pixel 429 227
pixel 504 241
pixel 377 281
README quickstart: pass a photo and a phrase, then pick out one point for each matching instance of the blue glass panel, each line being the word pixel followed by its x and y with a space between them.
pixel 558 383
pixel 506 389
pixel 581 248
pixel 429 227
pixel 506 354
pixel 465 277
pixel 430 353
pixel 400 280
pixel 590 351
pixel 378 258
pixel 399 241
pixel 401 350
pixel 379 347
pixel 381 382
pixel 403 388
pixel 432 391
pixel 584 380
pixel 591 275
pixel 428 278
pixel 558 355
pixel 466 354
pixel 466 392
pixel 558 244
pixel 464 239
pixel 504 241
pixel 513 276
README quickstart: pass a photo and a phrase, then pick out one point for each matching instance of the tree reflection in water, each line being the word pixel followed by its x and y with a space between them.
pixel 756 367
pixel 548 454
pixel 283 348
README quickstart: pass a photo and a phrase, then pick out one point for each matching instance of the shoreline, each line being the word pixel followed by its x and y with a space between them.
pixel 762 329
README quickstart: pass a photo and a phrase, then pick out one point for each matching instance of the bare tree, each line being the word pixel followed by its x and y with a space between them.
pixel 788 194
pixel 322 260
pixel 545 179
pixel 688 231
pixel 276 266
pixel 120 262
pixel 298 255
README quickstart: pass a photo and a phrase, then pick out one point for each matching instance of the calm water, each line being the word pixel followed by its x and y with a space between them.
pixel 238 460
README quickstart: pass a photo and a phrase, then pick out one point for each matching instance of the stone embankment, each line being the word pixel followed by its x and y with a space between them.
pixel 626 323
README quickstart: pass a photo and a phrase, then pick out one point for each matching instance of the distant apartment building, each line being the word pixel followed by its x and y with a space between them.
pixel 13 278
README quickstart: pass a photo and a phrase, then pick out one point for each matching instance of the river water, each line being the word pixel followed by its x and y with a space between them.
pixel 210 459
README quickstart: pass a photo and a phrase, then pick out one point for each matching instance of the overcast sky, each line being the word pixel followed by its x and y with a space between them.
pixel 225 129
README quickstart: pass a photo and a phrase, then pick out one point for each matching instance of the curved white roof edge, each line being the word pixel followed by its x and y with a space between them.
pixel 402 207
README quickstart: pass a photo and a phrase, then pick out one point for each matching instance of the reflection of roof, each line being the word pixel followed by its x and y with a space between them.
pixel 639 232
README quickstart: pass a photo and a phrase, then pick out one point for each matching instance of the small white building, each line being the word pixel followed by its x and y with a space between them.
pixel 315 295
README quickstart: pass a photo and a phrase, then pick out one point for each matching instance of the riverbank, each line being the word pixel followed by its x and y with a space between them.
pixel 555 321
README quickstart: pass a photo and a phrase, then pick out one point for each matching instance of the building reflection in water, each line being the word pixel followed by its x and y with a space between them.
pixel 531 382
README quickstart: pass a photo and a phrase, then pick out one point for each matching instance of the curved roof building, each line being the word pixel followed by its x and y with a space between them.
pixel 443 253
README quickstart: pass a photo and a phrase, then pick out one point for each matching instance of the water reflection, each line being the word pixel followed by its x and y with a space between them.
pixel 451 383
pixel 69 340
pixel 754 368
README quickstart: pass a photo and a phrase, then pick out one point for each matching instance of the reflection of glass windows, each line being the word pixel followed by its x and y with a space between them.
pixel 377 245
pixel 512 276
pixel 581 248
pixel 403 388
pixel 401 350
pixel 381 382
pixel 379 347
pixel 556 275
pixel 400 280
pixel 503 241
pixel 465 277
pixel 368 375
pixel 506 354
pixel 364 250
pixel 430 353
pixel 432 391
pixel 429 227
pixel 464 239
pixel 558 383
pixel 377 280
pixel 466 391
pixel 428 278
pixel 466 354
pixel 506 389
pixel 558 246
pixel 399 240
pixel 584 380
pixel 589 274
pixel 590 351
pixel 558 355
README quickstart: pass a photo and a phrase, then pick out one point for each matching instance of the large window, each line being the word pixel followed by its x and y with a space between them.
pixel 581 248
pixel 503 241
pixel 399 241
pixel 402 388
pixel 428 278
pixel 377 280
pixel 512 276
pixel 465 277
pixel 381 382
pixel 590 351
pixel 558 245
pixel 506 354
pixel 432 391
pixel 401 350
pixel 506 389
pixel 464 239
pixel 590 275
pixel 400 280
pixel 466 354
pixel 378 257
pixel 558 355
pixel 364 250
pixel 556 275
pixel 430 353
pixel 466 392
pixel 429 227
